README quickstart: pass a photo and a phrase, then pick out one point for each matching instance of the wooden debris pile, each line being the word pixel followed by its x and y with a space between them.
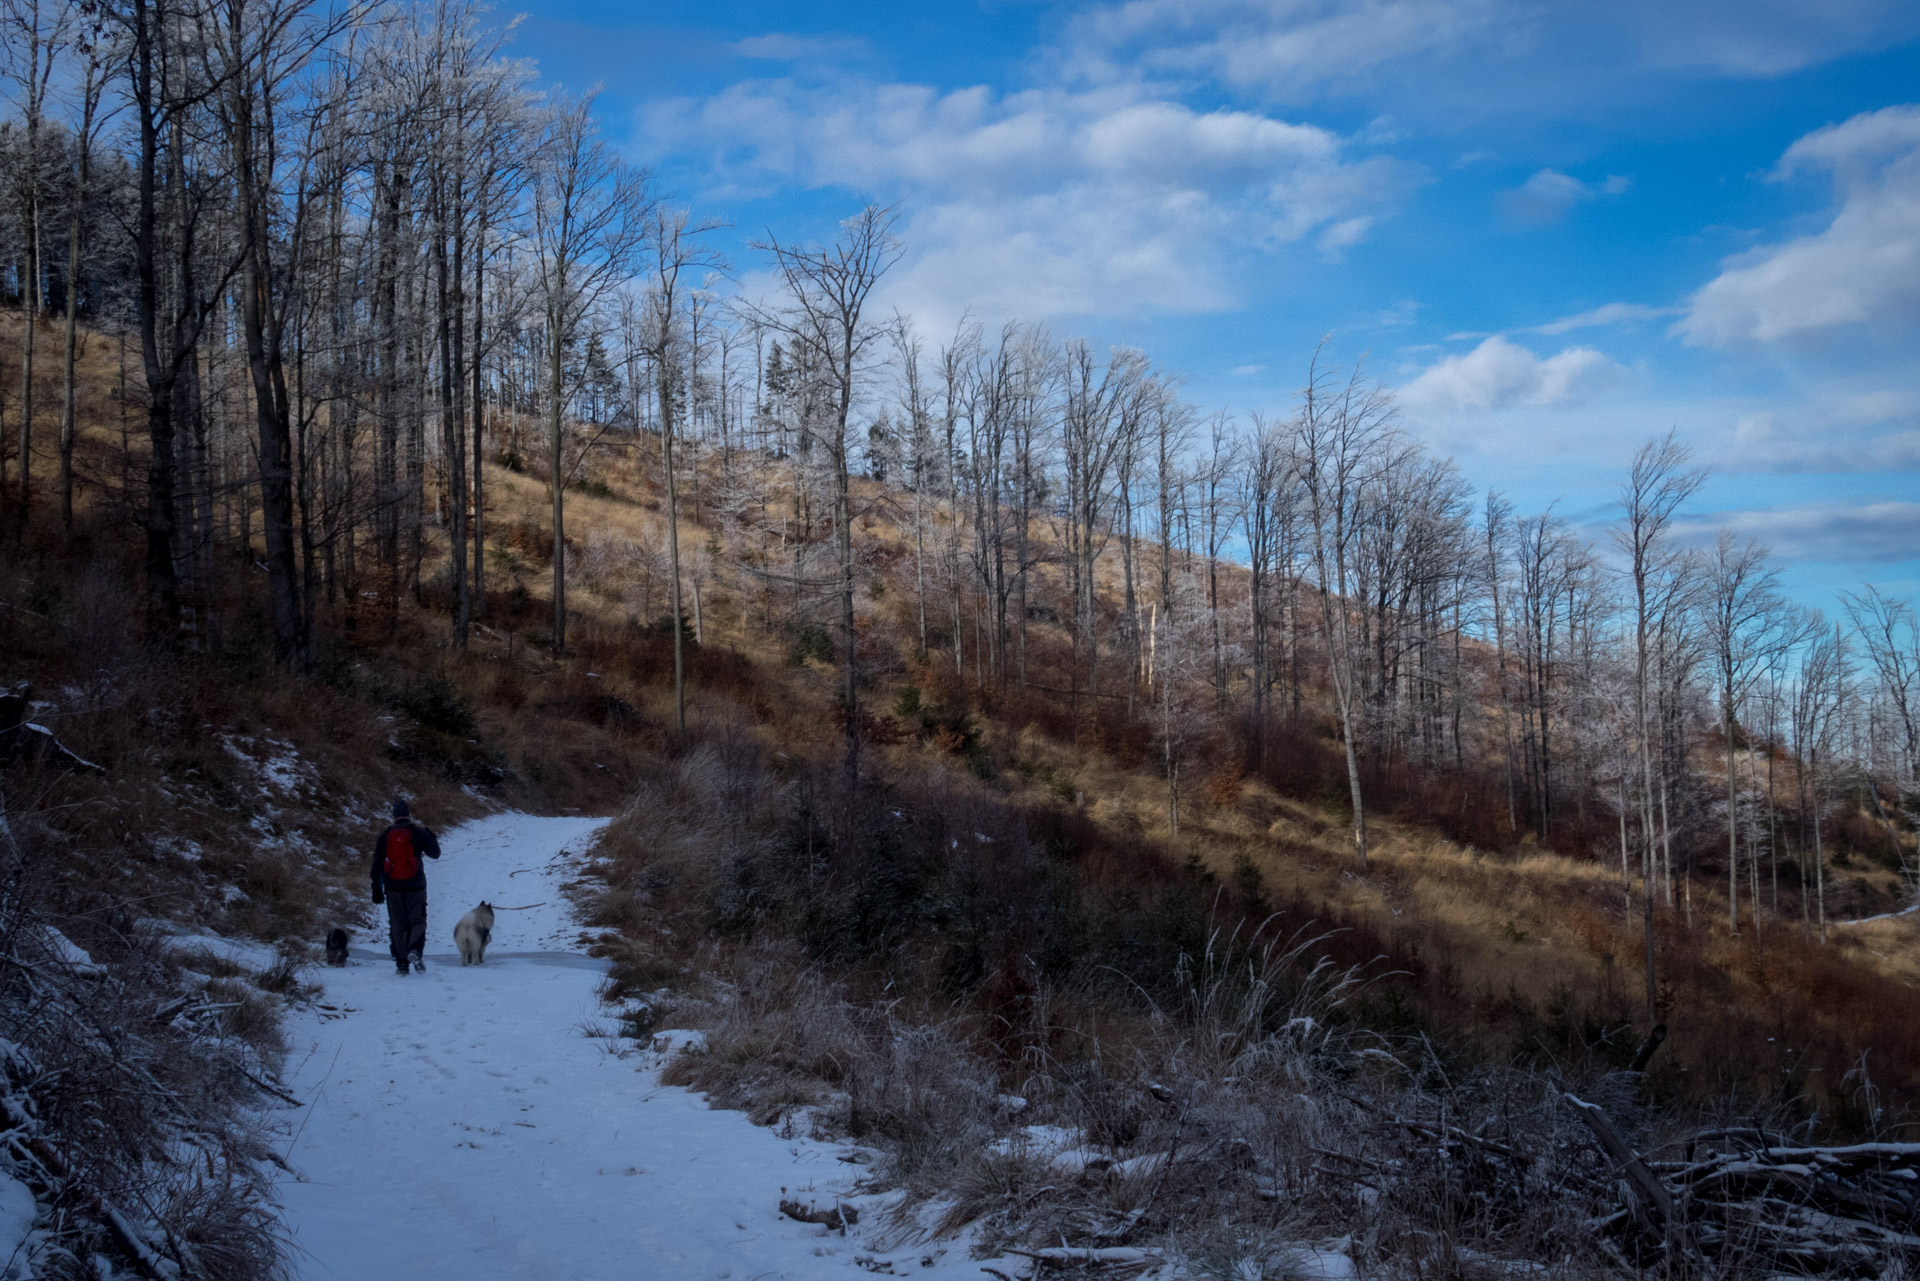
pixel 1751 1199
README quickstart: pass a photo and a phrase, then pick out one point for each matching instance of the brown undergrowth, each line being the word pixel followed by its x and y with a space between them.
pixel 1056 1037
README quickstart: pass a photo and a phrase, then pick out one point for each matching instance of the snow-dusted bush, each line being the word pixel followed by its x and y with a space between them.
pixel 127 1089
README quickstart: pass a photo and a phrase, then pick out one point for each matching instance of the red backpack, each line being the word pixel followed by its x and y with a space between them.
pixel 402 863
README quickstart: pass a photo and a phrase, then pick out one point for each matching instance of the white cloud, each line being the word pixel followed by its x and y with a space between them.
pixel 1049 202
pixel 1612 313
pixel 1262 44
pixel 1399 315
pixel 1549 194
pixel 1862 269
pixel 782 46
pixel 1833 432
pixel 1846 532
pixel 1500 374
pixel 1343 235
pixel 1496 55
pixel 1759 38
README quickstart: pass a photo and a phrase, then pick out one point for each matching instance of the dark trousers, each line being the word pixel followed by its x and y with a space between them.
pixel 406 923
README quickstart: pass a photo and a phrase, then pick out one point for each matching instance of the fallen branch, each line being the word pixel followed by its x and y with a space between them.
pixel 270 1088
pixel 1106 1256
pixel 836 1217
pixel 1644 1055
pixel 1626 1158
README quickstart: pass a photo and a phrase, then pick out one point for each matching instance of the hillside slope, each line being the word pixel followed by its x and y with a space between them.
pixel 1014 941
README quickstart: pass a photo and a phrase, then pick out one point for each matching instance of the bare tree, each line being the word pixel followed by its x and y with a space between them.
pixel 1103 408
pixel 173 299
pixel 827 327
pixel 1497 516
pixel 1821 697
pixel 1220 498
pixel 955 359
pixel 921 460
pixel 473 162
pixel 1339 437
pixel 1658 483
pixel 1266 508
pixel 33 32
pixel 674 247
pixel 1743 601
pixel 260 50
pixel 1891 635
pixel 90 39
pixel 589 215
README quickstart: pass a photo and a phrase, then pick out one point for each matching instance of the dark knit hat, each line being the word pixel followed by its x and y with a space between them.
pixel 400 809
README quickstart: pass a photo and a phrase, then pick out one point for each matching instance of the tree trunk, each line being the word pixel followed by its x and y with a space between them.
pixel 453 398
pixel 665 384
pixel 68 407
pixel 843 519
pixel 1733 866
pixel 555 483
pixel 31 307
pixel 1819 860
pixel 478 596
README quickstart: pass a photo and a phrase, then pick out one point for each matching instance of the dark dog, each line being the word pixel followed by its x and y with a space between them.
pixel 336 946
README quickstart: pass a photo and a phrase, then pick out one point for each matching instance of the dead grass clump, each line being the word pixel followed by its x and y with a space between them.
pixel 775 1040
pixel 780 1035
pixel 693 823
pixel 528 537
pixel 1224 786
pixel 248 1015
pixel 224 1236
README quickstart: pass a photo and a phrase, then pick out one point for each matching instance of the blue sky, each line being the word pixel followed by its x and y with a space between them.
pixel 1557 228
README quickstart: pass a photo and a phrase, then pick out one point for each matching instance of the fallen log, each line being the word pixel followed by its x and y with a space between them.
pixel 1644 1055
pixel 1643 1179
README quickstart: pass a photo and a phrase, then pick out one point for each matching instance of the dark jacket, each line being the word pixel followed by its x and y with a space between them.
pixel 425 844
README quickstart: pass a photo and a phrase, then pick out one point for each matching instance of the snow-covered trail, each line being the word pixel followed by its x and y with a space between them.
pixel 459 1123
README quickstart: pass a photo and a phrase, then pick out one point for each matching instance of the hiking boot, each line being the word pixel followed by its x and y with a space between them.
pixel 419 966
pixel 401 969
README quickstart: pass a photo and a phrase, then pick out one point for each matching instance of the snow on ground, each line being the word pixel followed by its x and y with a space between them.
pixel 18 1244
pixel 460 1122
pixel 276 763
pixel 242 952
pixel 1884 916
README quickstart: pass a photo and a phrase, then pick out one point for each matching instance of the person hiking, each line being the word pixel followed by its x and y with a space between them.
pixel 400 881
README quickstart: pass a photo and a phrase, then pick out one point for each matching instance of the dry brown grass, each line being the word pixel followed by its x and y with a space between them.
pixel 1528 948
pixel 1193 1114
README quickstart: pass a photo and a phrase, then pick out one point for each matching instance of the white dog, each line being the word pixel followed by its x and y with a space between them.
pixel 473 933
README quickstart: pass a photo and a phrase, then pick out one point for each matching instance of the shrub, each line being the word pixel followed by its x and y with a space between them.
pixel 812 643
pixel 437 705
